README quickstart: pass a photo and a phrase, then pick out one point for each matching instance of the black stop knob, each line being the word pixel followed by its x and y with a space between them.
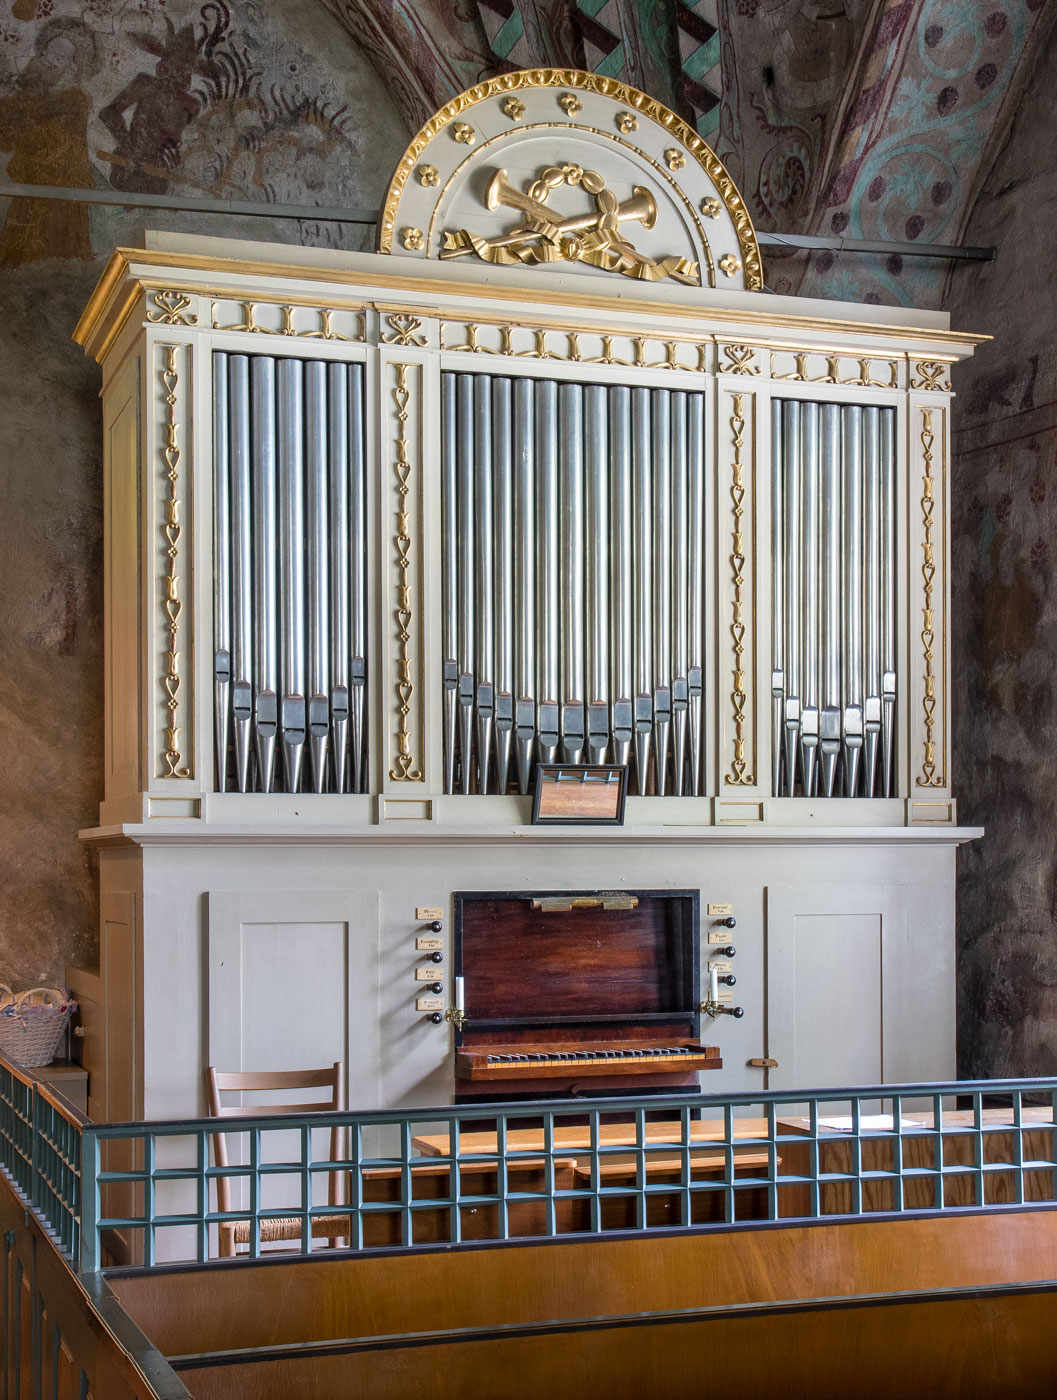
pixel 436 926
pixel 729 980
pixel 436 988
pixel 436 957
pixel 738 1012
pixel 436 1018
pixel 730 922
pixel 728 951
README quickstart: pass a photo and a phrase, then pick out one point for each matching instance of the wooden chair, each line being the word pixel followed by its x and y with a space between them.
pixel 335 1227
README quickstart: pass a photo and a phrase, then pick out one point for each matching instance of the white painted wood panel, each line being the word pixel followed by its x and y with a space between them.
pixel 836 985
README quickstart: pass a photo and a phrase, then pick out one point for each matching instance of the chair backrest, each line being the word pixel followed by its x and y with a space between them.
pixel 268 1081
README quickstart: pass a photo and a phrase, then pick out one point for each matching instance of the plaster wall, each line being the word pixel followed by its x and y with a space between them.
pixel 1005 606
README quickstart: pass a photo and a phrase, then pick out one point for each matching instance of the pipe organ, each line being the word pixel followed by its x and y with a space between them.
pixel 547 478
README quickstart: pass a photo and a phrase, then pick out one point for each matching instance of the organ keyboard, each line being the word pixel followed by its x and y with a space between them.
pixel 586 993
pixel 512 1062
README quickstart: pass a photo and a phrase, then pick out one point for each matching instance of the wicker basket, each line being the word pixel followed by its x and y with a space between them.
pixel 32 1024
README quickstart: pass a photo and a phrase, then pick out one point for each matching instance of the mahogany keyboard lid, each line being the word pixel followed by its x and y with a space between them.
pixel 521 963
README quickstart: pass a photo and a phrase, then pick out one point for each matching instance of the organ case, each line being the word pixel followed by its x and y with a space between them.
pixel 383 530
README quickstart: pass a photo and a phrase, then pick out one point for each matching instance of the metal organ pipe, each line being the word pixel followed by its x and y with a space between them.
pixel 596 544
pixel 242 666
pixel 503 498
pixel 449 575
pixel 292 716
pixel 642 568
pixel 464 473
pixel 809 583
pixel 337 464
pixel 222 597
pixel 888 599
pixel 547 624
pixel 871 686
pixel 357 577
pixel 317 592
pixel 695 447
pixel 571 471
pixel 778 516
pixel 852 656
pixel 265 593
pixel 662 584
pixel 621 547
pixel 829 722
pixel 290 544
pixel 524 579
pixel 483 575
pixel 791 525
pixel 679 583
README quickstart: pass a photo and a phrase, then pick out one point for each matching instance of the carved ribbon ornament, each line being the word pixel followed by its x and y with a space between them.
pixel 594 237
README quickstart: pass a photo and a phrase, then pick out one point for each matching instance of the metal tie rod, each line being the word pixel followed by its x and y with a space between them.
pixel 334 214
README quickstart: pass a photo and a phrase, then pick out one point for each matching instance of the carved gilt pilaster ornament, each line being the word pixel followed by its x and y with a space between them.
pixel 554 165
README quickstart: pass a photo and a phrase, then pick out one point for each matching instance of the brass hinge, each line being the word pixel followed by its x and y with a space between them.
pixel 763 1064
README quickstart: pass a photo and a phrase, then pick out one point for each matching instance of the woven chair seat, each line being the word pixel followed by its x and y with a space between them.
pixel 288 1227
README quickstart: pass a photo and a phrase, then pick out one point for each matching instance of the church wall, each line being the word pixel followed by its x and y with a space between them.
pixel 1005 606
pixel 215 100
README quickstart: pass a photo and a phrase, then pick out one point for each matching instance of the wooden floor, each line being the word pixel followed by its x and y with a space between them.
pixel 959 1306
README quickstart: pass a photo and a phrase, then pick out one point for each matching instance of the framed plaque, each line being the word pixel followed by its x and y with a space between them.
pixel 579 794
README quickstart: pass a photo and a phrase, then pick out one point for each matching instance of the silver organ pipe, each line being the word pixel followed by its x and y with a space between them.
pixel 790 524
pixel 809 536
pixel 695 613
pixel 357 478
pixel 291 427
pixel 830 691
pixel 222 598
pixel 597 544
pixel 290 599
pixel 547 622
pixel 503 548
pixel 242 666
pixel 484 589
pixel 571 588
pixel 464 475
pixel 679 585
pixel 834 598
pixel 777 597
pixel 524 579
pixel 317 591
pixel 642 588
pixel 265 587
pixel 888 601
pixel 449 577
pixel 337 477
pixel 851 612
pixel 620 535
pixel 572 547
pixel 662 584
pixel 871 688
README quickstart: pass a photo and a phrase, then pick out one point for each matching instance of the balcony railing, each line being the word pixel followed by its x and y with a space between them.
pixel 146 1192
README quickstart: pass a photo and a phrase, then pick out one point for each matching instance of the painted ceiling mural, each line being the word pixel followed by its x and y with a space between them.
pixel 862 118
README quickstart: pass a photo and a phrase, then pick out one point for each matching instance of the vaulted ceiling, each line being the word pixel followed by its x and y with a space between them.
pixel 859 118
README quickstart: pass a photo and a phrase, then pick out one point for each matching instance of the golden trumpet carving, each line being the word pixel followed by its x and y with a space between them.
pixel 594 237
